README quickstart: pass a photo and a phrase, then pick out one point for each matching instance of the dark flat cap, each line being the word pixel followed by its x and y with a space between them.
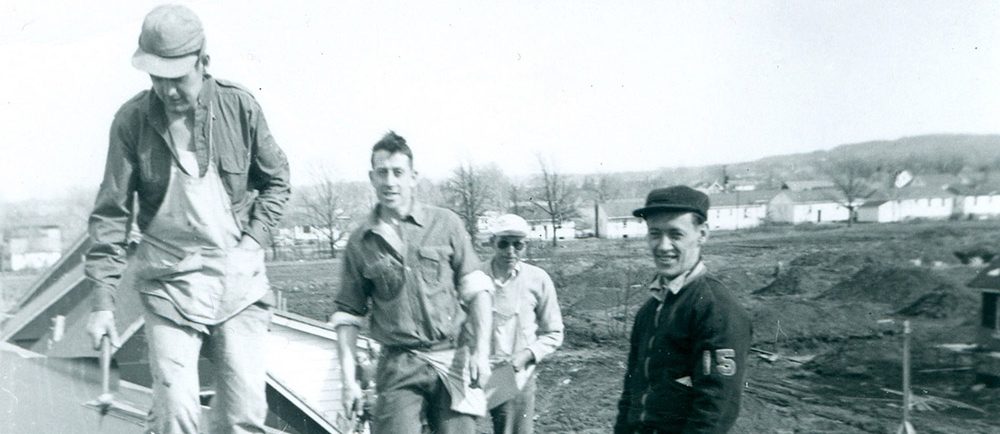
pixel 674 199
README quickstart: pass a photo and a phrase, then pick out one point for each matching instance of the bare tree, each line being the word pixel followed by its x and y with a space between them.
pixel 853 178
pixel 516 194
pixel 332 207
pixel 555 197
pixel 602 188
pixel 466 192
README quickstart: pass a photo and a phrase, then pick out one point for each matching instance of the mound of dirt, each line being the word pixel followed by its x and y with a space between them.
pixel 942 303
pixel 791 282
pixel 898 286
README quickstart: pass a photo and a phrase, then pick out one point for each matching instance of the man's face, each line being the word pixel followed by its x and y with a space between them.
pixel 508 249
pixel 180 94
pixel 675 242
pixel 393 177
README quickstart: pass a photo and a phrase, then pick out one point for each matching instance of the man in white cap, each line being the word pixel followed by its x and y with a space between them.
pixel 211 185
pixel 527 322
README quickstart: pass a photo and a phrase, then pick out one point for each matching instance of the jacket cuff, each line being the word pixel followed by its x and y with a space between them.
pixel 259 232
pixel 538 351
pixel 104 299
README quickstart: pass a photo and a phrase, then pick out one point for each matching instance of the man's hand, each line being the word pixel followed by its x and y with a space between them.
pixel 100 323
pixel 353 398
pixel 521 360
pixel 479 369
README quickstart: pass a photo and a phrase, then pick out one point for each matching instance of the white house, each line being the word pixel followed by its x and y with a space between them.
pixel 541 229
pixel 615 219
pixel 910 202
pixel 34 247
pixel 981 204
pixel 807 206
pixel 739 209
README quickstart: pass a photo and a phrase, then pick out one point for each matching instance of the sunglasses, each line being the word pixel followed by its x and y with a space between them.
pixel 503 244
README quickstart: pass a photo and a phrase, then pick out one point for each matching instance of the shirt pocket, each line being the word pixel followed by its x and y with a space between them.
pixel 234 164
pixel 434 267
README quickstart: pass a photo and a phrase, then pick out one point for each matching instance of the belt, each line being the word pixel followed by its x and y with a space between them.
pixel 422 346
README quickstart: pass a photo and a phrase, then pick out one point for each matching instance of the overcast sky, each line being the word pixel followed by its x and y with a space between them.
pixel 597 86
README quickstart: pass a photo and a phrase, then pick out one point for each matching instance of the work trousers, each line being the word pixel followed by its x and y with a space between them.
pixel 412 399
pixel 516 416
pixel 235 348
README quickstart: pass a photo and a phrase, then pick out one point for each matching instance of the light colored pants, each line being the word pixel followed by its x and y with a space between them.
pixel 235 350
pixel 412 399
pixel 516 416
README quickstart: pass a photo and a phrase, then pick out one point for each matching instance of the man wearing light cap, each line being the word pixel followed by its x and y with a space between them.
pixel 690 340
pixel 527 322
pixel 211 185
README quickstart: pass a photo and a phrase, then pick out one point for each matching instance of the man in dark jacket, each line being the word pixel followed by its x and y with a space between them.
pixel 689 343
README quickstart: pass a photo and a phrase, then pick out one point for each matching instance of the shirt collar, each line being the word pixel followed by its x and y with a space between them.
pixel 502 280
pixel 418 215
pixel 659 286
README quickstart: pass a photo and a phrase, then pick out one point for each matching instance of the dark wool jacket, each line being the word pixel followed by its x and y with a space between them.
pixel 699 336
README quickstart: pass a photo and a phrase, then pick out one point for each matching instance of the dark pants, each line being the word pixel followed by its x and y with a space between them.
pixel 411 397
pixel 516 416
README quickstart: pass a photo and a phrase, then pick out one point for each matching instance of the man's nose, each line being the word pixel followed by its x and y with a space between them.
pixel 663 244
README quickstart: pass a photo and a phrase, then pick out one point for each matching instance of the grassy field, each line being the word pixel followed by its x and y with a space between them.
pixel 815 293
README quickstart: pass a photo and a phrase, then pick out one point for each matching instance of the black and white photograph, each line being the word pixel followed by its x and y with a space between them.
pixel 392 217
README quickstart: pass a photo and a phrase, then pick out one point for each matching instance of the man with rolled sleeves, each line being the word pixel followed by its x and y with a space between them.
pixel 412 267
pixel 689 342
pixel 527 322
pixel 211 185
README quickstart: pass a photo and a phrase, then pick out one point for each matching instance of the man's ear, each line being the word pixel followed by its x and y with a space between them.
pixel 703 233
pixel 205 59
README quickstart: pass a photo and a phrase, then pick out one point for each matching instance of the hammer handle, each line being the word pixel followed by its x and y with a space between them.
pixel 105 363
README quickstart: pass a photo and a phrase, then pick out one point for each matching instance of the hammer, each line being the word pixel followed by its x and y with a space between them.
pixel 105 399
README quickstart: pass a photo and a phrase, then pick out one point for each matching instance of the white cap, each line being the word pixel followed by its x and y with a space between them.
pixel 510 224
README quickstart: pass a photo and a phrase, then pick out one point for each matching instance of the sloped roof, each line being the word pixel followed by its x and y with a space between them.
pixel 822 195
pixel 302 358
pixel 742 198
pixel 619 208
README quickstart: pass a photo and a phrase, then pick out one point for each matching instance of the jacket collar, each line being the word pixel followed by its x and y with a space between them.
pixel 660 286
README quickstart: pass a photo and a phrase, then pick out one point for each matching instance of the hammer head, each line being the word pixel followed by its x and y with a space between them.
pixel 104 402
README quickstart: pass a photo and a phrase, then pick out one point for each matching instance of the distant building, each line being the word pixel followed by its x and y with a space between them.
pixel 739 209
pixel 910 202
pixel 34 247
pixel 542 229
pixel 807 206
pixel 615 219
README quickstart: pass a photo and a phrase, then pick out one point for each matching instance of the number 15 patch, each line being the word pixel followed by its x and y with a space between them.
pixel 724 362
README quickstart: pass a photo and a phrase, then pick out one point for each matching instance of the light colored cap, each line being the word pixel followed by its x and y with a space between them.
pixel 171 39
pixel 510 224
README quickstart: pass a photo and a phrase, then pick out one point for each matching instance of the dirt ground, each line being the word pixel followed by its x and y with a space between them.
pixel 824 362
pixel 816 294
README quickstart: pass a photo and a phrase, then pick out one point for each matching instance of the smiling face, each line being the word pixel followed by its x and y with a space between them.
pixel 675 240
pixel 394 179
